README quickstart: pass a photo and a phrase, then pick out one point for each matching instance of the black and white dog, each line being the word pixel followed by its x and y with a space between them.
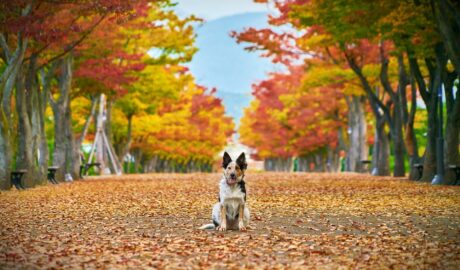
pixel 231 212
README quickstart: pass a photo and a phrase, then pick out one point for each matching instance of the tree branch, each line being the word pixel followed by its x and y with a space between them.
pixel 417 75
pixel 402 83
pixel 5 48
pixel 384 62
pixel 328 52
pixel 76 43
pixel 373 99
pixel 48 44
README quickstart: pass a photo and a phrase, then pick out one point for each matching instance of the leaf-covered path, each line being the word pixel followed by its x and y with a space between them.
pixel 298 221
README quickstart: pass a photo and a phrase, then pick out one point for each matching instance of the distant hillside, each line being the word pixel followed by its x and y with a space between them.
pixel 222 63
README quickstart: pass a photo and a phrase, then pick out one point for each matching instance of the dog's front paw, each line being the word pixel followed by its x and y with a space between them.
pixel 241 226
pixel 222 228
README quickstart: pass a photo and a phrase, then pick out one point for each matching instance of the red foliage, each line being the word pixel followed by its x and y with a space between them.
pixel 279 47
pixel 290 122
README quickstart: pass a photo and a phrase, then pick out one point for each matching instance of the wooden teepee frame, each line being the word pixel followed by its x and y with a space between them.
pixel 101 143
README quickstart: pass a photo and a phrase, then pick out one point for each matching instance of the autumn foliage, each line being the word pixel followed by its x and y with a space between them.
pixel 366 67
pixel 187 132
pixel 58 59
pixel 287 120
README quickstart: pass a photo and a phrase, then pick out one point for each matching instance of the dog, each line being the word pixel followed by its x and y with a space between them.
pixel 231 212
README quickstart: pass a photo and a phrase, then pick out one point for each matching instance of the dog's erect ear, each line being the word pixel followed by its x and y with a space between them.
pixel 227 159
pixel 241 161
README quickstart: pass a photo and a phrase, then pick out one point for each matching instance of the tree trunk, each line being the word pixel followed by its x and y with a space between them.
pixel 383 155
pixel 25 159
pixel 398 143
pixel 59 157
pixel 7 82
pixel 452 143
pixel 306 163
pixel 277 165
pixel 301 161
pixel 65 155
pixel 409 136
pixel 452 127
pixel 109 134
pixel 72 152
pixel 45 76
pixel 43 157
pixel 138 159
pixel 429 166
pixel 332 159
pixel 267 164
pixel 381 150
pixel 399 109
pixel 36 105
pixel 357 127
pixel 320 162
pixel 282 164
pixel 400 117
pixel 5 151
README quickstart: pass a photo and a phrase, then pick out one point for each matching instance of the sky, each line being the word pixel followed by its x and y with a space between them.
pixel 220 62
pixel 214 9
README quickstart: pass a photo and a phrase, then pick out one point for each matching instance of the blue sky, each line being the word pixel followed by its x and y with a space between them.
pixel 214 9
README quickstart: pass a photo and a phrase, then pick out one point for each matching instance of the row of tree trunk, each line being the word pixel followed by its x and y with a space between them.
pixel 25 94
pixel 157 164
pixel 32 79
pixel 394 121
pixel 324 160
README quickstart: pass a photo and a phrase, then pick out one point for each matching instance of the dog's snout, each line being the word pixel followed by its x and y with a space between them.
pixel 232 175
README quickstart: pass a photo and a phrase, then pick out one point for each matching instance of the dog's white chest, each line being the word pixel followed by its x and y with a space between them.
pixel 231 194
pixel 231 198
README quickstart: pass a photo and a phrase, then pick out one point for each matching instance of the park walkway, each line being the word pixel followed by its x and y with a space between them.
pixel 298 221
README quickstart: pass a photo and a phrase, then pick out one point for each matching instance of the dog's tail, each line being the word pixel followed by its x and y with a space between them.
pixel 210 226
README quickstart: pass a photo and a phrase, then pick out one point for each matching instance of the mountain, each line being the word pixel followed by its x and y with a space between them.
pixel 224 64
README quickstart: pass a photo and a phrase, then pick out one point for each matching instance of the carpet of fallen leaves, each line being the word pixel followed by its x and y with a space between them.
pixel 321 221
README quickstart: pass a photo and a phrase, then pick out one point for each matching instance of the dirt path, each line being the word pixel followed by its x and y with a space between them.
pixel 298 221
